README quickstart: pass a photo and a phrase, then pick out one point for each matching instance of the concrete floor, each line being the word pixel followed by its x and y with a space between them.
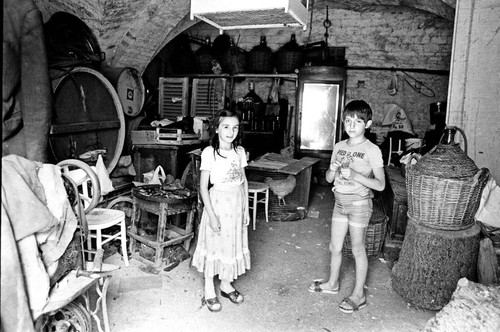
pixel 286 257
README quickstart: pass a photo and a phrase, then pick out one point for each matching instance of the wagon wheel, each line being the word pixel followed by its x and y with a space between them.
pixel 69 165
pixel 73 318
pixel 125 204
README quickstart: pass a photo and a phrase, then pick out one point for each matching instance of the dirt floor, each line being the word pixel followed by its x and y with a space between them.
pixel 286 257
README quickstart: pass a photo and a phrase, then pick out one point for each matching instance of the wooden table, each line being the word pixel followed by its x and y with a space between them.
pixel 278 167
pixel 173 158
pixel 395 201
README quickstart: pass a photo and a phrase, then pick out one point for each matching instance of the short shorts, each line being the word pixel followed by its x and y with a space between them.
pixel 352 209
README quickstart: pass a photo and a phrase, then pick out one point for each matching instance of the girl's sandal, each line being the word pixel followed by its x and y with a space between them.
pixel 233 296
pixel 212 304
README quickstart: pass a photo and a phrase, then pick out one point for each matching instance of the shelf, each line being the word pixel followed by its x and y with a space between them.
pixel 254 132
pixel 291 76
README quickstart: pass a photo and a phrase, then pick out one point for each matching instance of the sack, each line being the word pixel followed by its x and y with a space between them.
pixel 103 176
pixel 155 177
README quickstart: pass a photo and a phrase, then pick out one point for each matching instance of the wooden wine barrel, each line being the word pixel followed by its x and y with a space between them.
pixel 130 125
pixel 87 116
pixel 129 86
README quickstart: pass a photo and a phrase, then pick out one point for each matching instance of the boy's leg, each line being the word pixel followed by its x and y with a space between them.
pixel 339 230
pixel 361 262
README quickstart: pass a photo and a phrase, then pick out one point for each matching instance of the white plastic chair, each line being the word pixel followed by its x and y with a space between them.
pixel 98 219
pixel 254 189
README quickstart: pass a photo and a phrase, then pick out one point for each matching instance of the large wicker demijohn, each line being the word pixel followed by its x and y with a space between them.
pixel 444 187
pixel 260 58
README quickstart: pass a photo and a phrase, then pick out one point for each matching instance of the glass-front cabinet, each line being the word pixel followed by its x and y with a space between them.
pixel 320 100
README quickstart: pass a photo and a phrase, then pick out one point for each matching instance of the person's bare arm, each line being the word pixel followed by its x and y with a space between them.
pixel 205 196
pixel 375 183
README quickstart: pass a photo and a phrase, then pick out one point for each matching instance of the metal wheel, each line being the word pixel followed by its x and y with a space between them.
pixel 71 318
pixel 70 164
pixel 125 204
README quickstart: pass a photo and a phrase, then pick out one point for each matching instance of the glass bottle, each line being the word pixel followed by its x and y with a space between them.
pixel 252 94
pixel 449 135
pixel 292 44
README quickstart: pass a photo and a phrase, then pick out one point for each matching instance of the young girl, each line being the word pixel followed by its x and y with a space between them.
pixel 222 247
pixel 357 168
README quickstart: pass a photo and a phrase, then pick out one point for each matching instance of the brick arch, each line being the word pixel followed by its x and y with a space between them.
pixel 132 32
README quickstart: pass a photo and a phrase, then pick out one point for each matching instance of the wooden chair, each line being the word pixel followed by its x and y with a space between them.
pixel 98 219
pixel 256 189
pixel 395 147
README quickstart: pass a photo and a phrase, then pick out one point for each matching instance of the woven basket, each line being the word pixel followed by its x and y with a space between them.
pixel 204 59
pixel 444 187
pixel 234 60
pixel 288 61
pixel 446 161
pixel 375 233
pixel 446 204
pixel 260 60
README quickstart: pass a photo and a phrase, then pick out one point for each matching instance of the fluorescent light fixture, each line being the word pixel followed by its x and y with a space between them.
pixel 250 14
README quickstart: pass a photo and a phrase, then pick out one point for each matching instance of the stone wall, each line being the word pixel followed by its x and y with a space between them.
pixel 132 32
pixel 398 38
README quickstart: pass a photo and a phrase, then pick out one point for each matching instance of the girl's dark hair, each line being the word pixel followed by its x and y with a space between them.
pixel 215 125
pixel 360 108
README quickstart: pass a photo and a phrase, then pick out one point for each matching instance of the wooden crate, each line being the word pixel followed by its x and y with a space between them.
pixel 394 198
pixel 164 136
pixel 395 201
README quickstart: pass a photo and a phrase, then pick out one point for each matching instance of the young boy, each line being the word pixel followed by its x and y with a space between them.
pixel 356 167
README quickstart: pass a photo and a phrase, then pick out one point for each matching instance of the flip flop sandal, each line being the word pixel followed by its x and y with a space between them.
pixel 233 296
pixel 348 306
pixel 316 288
pixel 211 303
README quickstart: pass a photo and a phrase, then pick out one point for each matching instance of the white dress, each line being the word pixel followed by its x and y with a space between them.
pixel 224 253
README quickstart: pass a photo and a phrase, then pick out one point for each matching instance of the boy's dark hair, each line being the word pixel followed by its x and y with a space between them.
pixel 360 108
pixel 215 124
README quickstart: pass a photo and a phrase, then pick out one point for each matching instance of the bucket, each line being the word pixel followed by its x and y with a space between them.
pixel 129 86
pixel 413 143
pixel 87 116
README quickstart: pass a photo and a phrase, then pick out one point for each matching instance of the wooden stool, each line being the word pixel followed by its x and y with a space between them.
pixel 254 189
pixel 162 207
pixel 432 261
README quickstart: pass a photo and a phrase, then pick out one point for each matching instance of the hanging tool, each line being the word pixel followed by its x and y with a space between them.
pixel 392 89
pixel 327 23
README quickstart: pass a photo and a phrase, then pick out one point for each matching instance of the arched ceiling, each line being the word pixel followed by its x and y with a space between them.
pixel 132 32
pixel 443 8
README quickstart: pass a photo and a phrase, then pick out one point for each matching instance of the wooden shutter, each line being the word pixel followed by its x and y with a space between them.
pixel 174 97
pixel 206 96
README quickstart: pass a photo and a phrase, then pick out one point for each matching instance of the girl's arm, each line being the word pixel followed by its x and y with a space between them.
pixel 205 196
pixel 246 221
